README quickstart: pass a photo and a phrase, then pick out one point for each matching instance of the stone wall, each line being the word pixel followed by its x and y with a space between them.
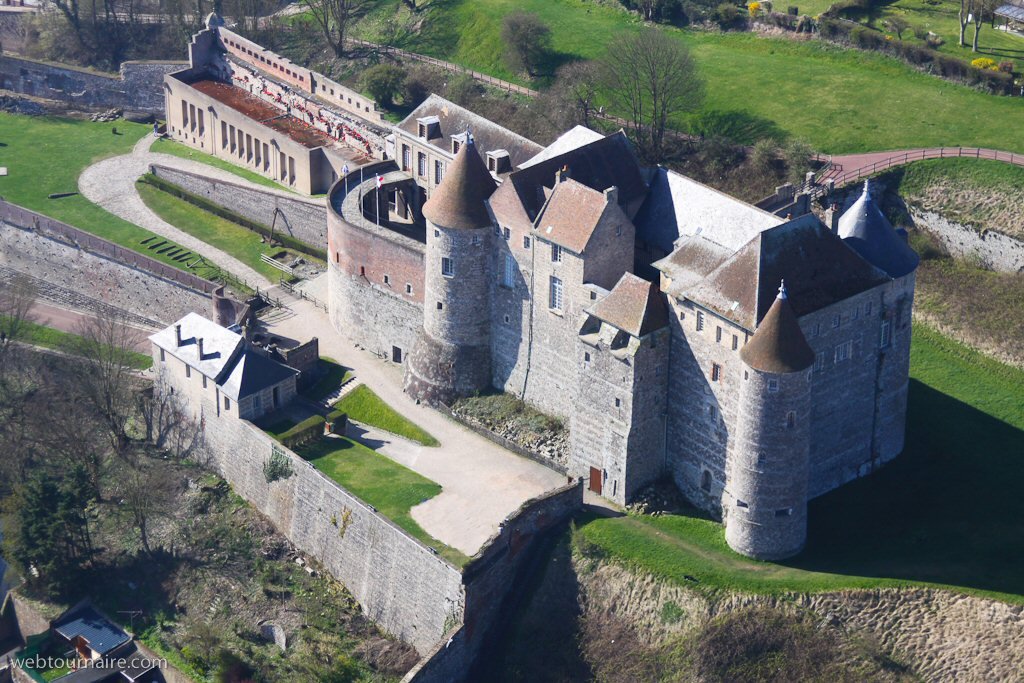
pixel 302 218
pixel 81 279
pixel 402 585
pixel 997 251
pixel 139 87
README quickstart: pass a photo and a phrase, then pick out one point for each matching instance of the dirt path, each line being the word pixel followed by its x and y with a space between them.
pixel 848 168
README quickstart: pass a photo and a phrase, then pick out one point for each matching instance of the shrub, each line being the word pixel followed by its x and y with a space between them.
pixel 420 81
pixel 1006 67
pixel 527 41
pixel 726 15
pixel 306 431
pixel 383 82
pixel 934 40
pixel 984 63
pixel 793 10
pixel 754 8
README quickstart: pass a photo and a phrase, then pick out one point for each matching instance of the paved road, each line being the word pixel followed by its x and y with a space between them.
pixel 482 482
pixel 67 320
pixel 111 184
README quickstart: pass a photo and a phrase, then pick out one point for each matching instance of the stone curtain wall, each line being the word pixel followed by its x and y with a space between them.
pixel 139 87
pixel 999 252
pixel 303 219
pixel 77 278
pixel 400 583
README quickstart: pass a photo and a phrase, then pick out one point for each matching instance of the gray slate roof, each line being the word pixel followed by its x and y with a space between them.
pixel 101 635
pixel 871 235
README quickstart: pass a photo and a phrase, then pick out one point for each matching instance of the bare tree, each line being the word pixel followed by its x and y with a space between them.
pixel 527 41
pixel 965 16
pixel 147 494
pixel 897 25
pixel 651 77
pixel 983 10
pixel 333 17
pixel 575 90
pixel 16 301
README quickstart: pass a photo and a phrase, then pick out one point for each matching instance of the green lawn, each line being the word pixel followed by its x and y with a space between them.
pixel 45 155
pixel 334 375
pixel 838 100
pixel 362 405
pixel 389 487
pixel 168 146
pixel 943 513
pixel 978 173
pixel 47 337
pixel 231 238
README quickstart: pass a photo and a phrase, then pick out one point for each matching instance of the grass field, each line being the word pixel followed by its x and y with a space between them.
pixel 167 146
pixel 231 238
pixel 838 100
pixel 364 406
pixel 49 338
pixel 391 488
pixel 45 155
pixel 943 513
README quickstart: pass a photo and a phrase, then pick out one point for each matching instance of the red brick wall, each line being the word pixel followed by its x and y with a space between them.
pixel 358 252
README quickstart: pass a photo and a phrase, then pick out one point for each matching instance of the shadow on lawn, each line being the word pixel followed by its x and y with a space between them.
pixel 944 511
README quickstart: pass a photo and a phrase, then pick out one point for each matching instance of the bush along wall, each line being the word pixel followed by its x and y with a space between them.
pixel 227 214
pixel 305 432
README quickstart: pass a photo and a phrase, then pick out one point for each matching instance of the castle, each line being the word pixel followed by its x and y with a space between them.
pixel 756 360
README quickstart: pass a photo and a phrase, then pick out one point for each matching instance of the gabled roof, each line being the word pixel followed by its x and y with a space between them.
pixel 693 259
pixel 570 215
pixel 865 228
pixel 678 206
pixel 634 305
pixel 818 267
pixel 99 633
pixel 455 120
pixel 459 201
pixel 253 372
pixel 575 137
pixel 778 346
pixel 598 165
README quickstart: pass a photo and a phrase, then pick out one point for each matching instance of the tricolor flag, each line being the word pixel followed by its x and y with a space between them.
pixel 380 181
pixel 344 170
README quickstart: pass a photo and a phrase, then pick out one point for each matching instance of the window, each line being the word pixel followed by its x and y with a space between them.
pixel 408 288
pixel 618 231
pixel 790 420
pixel 700 320
pixel 816 330
pixel 387 279
pixel 735 342
pixel 188 370
pixel 406 158
pixel 886 337
pixel 713 412
pixel 526 242
pixel 507 320
pixel 784 512
pixel 836 319
pixel 773 385
pixel 761 458
pixel 716 372
pixel 440 305
pixel 718 334
pixel 506 233
pixel 856 312
pixel 867 308
pixel 437 233
pixel 421 164
pixel 618 403
pixel 742 504
pixel 455 146
pixel 586 356
pixel 227 403
pixel 204 381
pixel 556 253
pixel 705 480
pixel 163 356
pixel 844 351
pixel 438 172
pixel 447 267
pixel 555 296
pixel 421 130
pixel 819 361
pixel 508 275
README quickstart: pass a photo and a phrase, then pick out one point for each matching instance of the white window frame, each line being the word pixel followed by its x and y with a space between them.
pixel 555 293
pixel 447 267
pixel 508 277
pixel 844 351
pixel 885 338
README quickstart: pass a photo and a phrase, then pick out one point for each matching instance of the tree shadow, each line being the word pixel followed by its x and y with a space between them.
pixel 741 127
pixel 944 511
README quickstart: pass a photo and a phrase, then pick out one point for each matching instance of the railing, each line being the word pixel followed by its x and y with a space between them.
pixel 302 294
pixel 919 154
pixel 277 264
pixel 30 220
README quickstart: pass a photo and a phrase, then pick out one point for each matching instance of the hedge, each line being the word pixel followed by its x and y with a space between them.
pixel 338 419
pixel 308 430
pixel 227 214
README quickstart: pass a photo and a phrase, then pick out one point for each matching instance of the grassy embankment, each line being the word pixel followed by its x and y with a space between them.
pixel 362 405
pixel 943 513
pixel 852 101
pixel 49 338
pixel 45 155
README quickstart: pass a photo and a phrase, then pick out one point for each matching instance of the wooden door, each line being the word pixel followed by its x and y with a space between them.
pixel 595 480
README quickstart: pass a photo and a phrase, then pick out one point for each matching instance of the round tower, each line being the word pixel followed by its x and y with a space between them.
pixel 765 499
pixel 452 355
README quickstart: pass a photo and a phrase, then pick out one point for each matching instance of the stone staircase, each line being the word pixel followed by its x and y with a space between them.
pixel 69 298
pixel 344 390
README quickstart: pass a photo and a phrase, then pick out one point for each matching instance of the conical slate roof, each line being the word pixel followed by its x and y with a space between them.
pixel 871 235
pixel 458 202
pixel 778 344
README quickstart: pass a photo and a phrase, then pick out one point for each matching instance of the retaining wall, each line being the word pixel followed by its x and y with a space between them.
pixel 303 219
pixel 138 87
pixel 999 252
pixel 79 278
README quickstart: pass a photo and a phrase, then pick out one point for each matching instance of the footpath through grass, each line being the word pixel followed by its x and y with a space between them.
pixel 45 155
pixel 839 100
pixel 389 487
pixel 362 405
pixel 231 238
pixel 944 513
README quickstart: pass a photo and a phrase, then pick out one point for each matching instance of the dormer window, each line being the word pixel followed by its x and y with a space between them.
pixel 428 127
pixel 499 161
pixel 457 142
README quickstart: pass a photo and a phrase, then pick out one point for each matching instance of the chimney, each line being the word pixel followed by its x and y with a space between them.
pixel 611 195
pixel 563 174
pixel 200 342
pixel 832 214
pixel 177 335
